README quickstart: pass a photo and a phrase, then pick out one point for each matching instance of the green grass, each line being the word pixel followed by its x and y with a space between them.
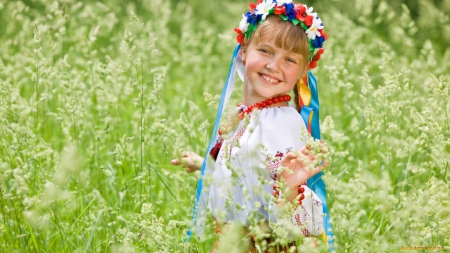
pixel 96 100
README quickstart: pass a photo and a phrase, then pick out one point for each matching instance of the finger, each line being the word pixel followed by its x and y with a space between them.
pixel 315 171
pixel 185 161
pixel 319 168
pixel 297 162
pixel 304 150
pixel 325 164
pixel 288 158
pixel 190 170
pixel 311 157
pixel 291 155
pixel 175 162
pixel 324 148
pixel 307 156
pixel 188 160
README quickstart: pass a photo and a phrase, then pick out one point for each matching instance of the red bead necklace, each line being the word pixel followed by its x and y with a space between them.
pixel 264 104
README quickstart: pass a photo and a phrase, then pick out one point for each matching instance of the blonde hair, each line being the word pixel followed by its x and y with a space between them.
pixel 287 35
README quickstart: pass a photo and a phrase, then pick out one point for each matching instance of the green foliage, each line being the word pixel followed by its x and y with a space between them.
pixel 97 98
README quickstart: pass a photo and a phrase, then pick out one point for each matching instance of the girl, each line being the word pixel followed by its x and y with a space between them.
pixel 255 174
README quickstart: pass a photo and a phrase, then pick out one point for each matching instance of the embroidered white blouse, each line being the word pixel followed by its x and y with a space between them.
pixel 246 168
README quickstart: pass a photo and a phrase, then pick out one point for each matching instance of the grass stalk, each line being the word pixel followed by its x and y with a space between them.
pixel 36 48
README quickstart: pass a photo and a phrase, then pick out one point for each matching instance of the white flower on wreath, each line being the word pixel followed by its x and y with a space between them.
pixel 313 31
pixel 263 8
pixel 309 11
pixel 243 25
pixel 281 2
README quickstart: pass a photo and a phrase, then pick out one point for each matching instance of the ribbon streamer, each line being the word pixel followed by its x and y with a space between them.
pixel 202 195
pixel 309 102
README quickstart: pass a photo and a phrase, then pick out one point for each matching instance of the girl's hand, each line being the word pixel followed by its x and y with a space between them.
pixel 190 160
pixel 298 163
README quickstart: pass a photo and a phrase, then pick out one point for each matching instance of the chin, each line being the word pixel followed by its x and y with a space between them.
pixel 270 94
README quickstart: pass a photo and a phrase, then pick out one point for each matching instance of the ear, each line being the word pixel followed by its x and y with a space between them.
pixel 303 72
pixel 242 53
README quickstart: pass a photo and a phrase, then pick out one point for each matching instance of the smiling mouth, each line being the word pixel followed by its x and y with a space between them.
pixel 269 79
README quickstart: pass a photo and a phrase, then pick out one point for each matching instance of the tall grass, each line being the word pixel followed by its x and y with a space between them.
pixel 97 98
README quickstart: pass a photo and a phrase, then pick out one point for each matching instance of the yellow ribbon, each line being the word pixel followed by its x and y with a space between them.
pixel 303 91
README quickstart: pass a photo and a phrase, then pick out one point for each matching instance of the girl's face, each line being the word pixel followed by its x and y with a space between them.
pixel 270 70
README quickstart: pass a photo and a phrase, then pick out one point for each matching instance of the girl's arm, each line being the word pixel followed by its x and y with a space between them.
pixel 308 215
pixel 190 160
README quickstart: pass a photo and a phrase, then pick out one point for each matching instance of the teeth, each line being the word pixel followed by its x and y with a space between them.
pixel 269 79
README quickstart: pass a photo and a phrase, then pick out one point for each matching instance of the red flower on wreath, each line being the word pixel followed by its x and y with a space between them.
pixel 318 54
pixel 240 36
pixel 253 6
pixel 302 15
pixel 323 34
pixel 279 10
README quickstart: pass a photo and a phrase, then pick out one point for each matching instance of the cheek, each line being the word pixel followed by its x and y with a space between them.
pixel 300 73
pixel 253 64
pixel 296 75
pixel 290 86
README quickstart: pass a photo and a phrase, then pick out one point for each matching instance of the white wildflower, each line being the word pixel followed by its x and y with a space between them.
pixel 264 8
pixel 243 25
pixel 313 31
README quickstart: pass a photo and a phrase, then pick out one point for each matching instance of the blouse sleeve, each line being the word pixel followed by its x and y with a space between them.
pixel 281 131
pixel 309 215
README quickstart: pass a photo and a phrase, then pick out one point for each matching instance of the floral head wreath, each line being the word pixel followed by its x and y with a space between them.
pixel 298 14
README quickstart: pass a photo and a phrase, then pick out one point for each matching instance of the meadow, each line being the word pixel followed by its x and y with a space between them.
pixel 96 99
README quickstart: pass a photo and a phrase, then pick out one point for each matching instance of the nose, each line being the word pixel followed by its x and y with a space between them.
pixel 274 63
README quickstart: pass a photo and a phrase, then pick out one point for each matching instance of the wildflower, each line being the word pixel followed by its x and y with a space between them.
pixel 318 42
pixel 302 14
pixel 313 31
pixel 290 11
pixel 240 35
pixel 243 25
pixel 252 18
pixel 264 8
pixel 280 10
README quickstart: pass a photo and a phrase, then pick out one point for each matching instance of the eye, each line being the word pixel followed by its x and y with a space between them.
pixel 263 50
pixel 291 60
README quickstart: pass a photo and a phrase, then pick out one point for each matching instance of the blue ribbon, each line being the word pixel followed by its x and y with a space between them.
pixel 226 93
pixel 316 182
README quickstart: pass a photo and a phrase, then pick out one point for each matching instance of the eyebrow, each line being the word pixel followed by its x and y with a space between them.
pixel 264 44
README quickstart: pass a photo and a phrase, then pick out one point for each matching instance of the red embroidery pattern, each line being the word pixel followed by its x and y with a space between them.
pixel 235 140
pixel 272 166
pixel 279 154
pixel 317 202
pixel 273 162
pixel 319 225
pixel 305 231
pixel 221 159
